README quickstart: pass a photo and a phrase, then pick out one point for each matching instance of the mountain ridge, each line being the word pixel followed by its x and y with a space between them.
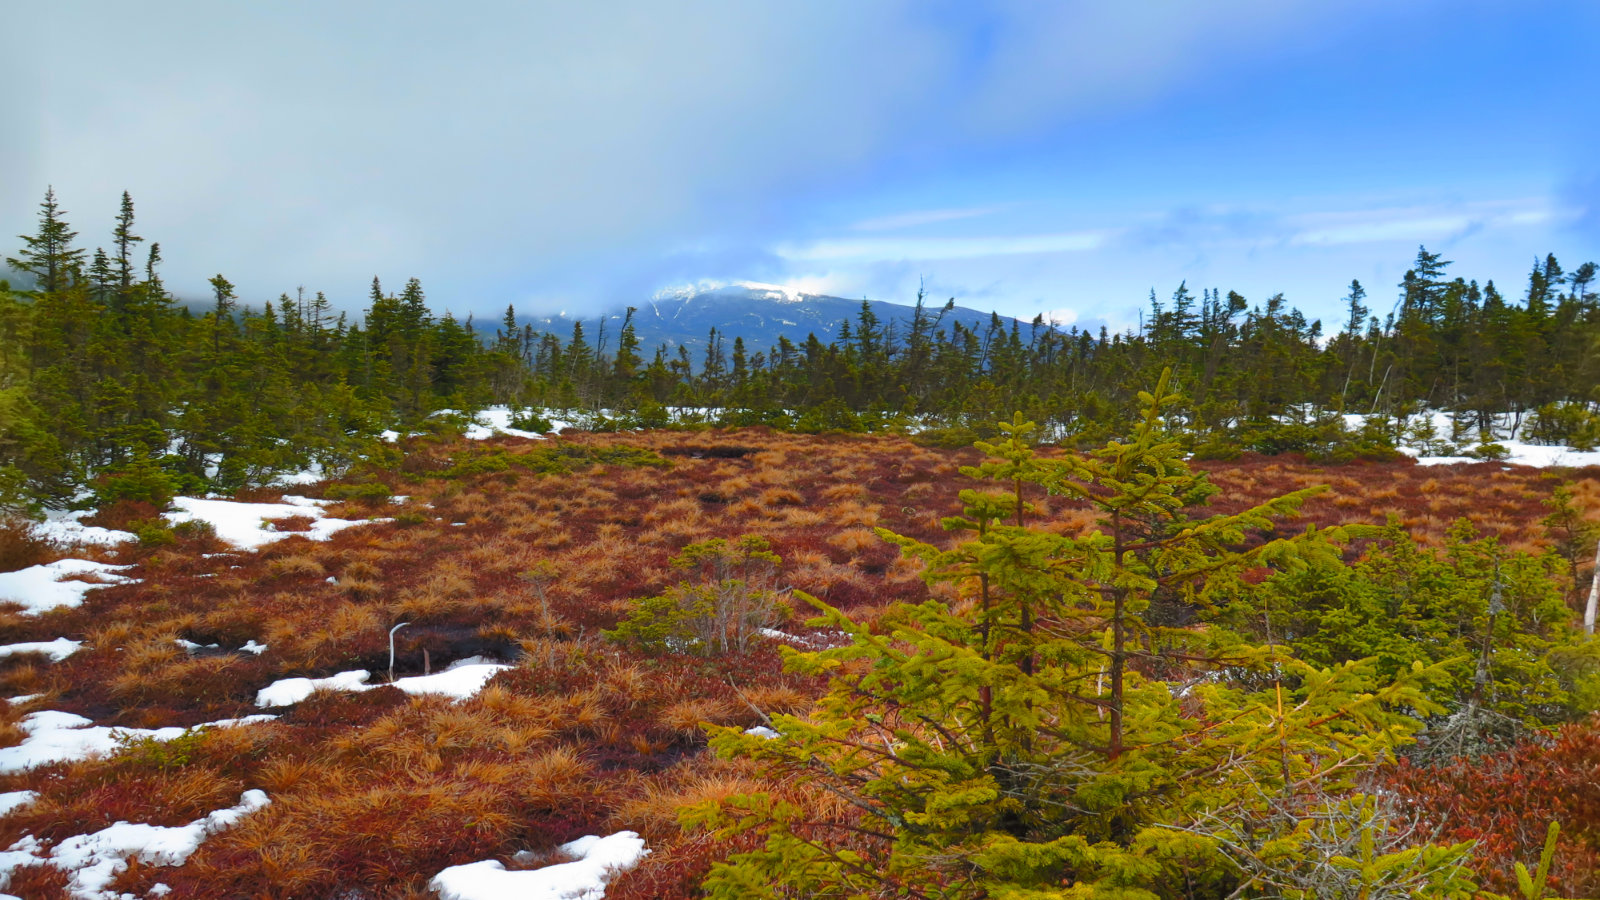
pixel 758 313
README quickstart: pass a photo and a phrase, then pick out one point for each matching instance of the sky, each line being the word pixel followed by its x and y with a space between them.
pixel 1063 158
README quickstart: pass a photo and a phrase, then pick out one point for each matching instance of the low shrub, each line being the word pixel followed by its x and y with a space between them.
pixel 1506 801
pixel 121 514
pixel 145 480
pixel 160 755
pixel 196 531
pixel 527 419
pixel 153 533
pixel 21 545
pixel 1489 450
pixel 372 492
pixel 1571 423
pixel 1323 441
pixel 732 602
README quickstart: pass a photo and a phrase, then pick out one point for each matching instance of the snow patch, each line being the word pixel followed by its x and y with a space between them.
pixel 460 681
pixel 93 861
pixel 192 647
pixel 1502 431
pixel 249 525
pixel 598 860
pixel 309 475
pixel 39 588
pixel 12 800
pixel 815 641
pixel 67 528
pixel 57 650
pixel 289 691
pixel 497 420
pixel 55 736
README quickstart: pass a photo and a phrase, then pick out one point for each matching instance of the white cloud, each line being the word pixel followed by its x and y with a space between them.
pixel 1421 224
pixel 923 217
pixel 494 147
pixel 943 247
pixel 1420 230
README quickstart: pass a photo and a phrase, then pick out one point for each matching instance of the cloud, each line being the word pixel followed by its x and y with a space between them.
pixel 558 150
pixel 934 248
pixel 1089 56
pixel 1423 225
pixel 1420 230
pixel 924 217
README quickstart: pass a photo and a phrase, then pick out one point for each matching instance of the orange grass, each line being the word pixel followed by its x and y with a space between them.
pixel 374 792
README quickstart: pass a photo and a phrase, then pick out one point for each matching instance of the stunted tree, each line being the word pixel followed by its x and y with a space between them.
pixel 221 312
pixel 731 596
pixel 1030 732
pixel 49 255
pixel 123 237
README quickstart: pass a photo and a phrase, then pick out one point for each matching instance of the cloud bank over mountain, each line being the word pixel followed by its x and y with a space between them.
pixel 1025 157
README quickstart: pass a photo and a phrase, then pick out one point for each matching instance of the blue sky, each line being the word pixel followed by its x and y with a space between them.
pixel 1028 157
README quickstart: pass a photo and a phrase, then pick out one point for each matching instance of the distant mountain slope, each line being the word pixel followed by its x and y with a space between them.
pixel 756 312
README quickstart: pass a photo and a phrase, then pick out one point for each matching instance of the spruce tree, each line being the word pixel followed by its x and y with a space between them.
pixel 221 312
pixel 49 255
pixel 124 239
pixel 1003 743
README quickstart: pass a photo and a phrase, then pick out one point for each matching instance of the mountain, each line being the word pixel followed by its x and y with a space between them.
pixel 759 313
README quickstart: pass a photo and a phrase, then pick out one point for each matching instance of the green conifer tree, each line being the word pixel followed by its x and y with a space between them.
pixel 1004 743
pixel 49 255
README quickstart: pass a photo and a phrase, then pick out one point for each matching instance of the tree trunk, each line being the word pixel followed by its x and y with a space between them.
pixel 1594 594
pixel 1118 663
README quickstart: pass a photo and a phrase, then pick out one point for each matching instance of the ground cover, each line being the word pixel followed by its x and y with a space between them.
pixel 520 552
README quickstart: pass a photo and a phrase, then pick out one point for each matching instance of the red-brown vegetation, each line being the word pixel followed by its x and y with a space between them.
pixel 1506 801
pixel 377 791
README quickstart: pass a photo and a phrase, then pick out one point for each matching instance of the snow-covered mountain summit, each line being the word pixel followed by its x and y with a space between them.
pixel 759 313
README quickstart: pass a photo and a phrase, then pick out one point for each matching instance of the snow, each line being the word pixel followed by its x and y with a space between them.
pixel 598 860
pixel 12 800
pixel 248 525
pixel 38 588
pixel 58 649
pixel 55 736
pixel 460 681
pixel 289 691
pixel 66 528
pixel 309 475
pixel 497 420
pixel 816 640
pixel 1544 456
pixel 389 436
pixel 93 860
pixel 762 731
pixel 1519 453
pixel 249 647
pixel 1445 460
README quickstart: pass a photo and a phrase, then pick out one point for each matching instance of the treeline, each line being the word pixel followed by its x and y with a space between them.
pixel 1258 375
pixel 101 370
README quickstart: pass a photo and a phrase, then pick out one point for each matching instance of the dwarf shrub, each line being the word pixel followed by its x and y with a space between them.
pixel 721 612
